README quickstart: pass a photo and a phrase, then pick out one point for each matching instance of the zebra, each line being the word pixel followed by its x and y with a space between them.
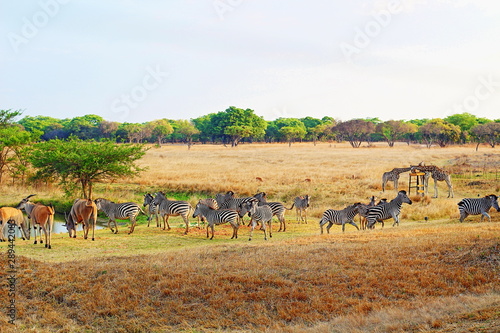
pixel 393 176
pixel 119 211
pixel 210 202
pixel 387 210
pixel 216 217
pixel 167 208
pixel 152 208
pixel 221 198
pixel 340 217
pixel 478 206
pixel 277 208
pixel 262 214
pixel 301 204
pixel 236 204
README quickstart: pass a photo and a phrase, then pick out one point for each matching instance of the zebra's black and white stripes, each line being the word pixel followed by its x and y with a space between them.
pixel 152 208
pixel 301 204
pixel 120 211
pixel 262 214
pixel 469 206
pixel 216 217
pixel 387 210
pixel 339 217
pixel 167 208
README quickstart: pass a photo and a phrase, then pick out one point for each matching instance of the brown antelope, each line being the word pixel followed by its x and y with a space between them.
pixel 10 214
pixel 83 211
pixel 41 215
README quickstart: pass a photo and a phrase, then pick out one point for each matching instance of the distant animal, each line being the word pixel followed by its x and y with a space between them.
pixel 216 217
pixel 16 217
pixel 259 179
pixel 119 211
pixel 387 210
pixel 301 204
pixel 393 176
pixel 83 211
pixel 475 206
pixel 167 208
pixel 152 208
pixel 40 215
pixel 340 217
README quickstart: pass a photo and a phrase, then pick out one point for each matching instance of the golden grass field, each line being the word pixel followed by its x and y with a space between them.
pixel 434 275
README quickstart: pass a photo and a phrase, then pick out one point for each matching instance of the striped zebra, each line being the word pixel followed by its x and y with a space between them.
pixel 301 204
pixel 221 198
pixel 277 208
pixel 152 208
pixel 262 214
pixel 119 211
pixel 216 217
pixel 385 211
pixel 236 204
pixel 167 208
pixel 340 217
pixel 210 202
pixel 478 206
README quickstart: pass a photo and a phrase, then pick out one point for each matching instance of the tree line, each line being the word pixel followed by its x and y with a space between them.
pixel 235 125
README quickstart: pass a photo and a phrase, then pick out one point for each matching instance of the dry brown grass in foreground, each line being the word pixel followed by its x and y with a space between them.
pixel 417 278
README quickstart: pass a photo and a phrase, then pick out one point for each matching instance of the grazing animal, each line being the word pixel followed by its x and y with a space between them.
pixel 119 211
pixel 437 174
pixel 167 208
pixel 10 214
pixel 83 211
pixel 259 179
pixel 277 208
pixel 221 198
pixel 478 206
pixel 393 176
pixel 387 210
pixel 262 214
pixel 301 204
pixel 152 208
pixel 340 217
pixel 216 217
pixel 41 215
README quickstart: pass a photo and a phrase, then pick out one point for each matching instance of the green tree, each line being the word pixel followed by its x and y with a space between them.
pixel 76 161
pixel 7 117
pixel 12 140
pixel 488 133
pixel 395 130
pixel 85 127
pixel 440 132
pixel 187 131
pixel 235 123
pixel 160 129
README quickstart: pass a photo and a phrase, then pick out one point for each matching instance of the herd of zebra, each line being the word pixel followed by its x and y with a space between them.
pixel 224 208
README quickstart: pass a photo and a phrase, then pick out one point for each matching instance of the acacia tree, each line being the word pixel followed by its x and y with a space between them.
pixel 489 133
pixel 355 131
pixel 160 129
pixel 439 131
pixel 12 141
pixel 394 130
pixel 76 162
pixel 187 130
pixel 235 123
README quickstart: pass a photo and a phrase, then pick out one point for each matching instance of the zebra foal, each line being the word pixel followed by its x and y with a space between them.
pixel 385 211
pixel 119 211
pixel 340 217
pixel 478 206
pixel 152 208
pixel 216 217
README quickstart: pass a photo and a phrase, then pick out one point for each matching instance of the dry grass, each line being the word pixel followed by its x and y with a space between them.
pixel 435 276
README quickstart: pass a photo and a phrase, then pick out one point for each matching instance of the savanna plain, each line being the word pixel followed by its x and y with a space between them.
pixel 429 274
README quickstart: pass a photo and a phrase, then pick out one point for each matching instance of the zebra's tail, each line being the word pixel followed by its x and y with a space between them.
pixel 290 207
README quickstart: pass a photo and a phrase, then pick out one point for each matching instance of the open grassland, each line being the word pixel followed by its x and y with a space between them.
pixel 434 276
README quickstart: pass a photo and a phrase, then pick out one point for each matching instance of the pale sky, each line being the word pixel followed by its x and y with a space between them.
pixel 137 61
